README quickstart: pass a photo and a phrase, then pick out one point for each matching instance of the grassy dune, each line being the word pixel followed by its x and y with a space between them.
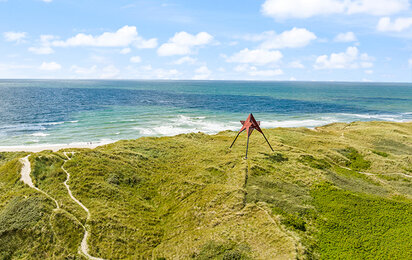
pixel 339 191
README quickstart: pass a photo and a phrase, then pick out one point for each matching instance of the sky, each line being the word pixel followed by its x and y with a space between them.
pixel 305 40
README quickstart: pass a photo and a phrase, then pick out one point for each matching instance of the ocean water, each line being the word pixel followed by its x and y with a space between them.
pixel 40 112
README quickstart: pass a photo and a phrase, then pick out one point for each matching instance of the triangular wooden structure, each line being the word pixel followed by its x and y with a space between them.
pixel 249 125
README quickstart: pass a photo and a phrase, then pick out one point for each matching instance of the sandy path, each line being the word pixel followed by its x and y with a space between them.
pixel 26 178
pixel 83 246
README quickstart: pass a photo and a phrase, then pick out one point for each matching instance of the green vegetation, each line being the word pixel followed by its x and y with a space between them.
pixel 340 192
pixel 355 226
pixel 356 161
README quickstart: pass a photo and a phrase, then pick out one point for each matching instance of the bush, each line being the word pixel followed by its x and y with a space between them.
pixel 356 160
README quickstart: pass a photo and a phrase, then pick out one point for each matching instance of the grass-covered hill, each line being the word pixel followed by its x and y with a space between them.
pixel 342 191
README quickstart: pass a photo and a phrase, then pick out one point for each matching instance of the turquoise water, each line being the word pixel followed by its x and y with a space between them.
pixel 39 112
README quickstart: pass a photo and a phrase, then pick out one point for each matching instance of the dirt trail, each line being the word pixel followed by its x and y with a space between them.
pixel 84 247
pixel 26 178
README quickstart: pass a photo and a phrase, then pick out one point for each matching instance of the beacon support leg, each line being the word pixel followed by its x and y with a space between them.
pixel 247 146
pixel 235 140
pixel 267 142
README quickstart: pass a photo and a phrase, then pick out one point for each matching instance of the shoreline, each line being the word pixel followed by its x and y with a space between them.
pixel 53 147
pixel 92 145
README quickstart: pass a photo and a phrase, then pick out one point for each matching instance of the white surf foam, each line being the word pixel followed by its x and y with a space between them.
pixel 40 134
pixel 185 124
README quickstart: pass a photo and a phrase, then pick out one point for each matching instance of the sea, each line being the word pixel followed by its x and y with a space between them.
pixel 43 112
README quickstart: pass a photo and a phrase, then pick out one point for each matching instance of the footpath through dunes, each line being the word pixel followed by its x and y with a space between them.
pixel 342 191
pixel 26 178
pixel 83 246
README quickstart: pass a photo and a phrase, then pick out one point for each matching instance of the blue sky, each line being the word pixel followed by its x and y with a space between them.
pixel 321 40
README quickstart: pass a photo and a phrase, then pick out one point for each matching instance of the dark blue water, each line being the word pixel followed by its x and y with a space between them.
pixel 62 111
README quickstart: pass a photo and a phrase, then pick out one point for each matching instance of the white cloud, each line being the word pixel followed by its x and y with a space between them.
pixel 125 36
pixel 253 71
pixel 281 9
pixel 109 72
pixel 14 36
pixel 44 45
pixel 295 38
pixel 98 58
pixel 83 70
pixel 257 56
pixel 410 62
pixel 202 73
pixel 47 1
pixel 135 59
pixel 385 24
pixel 41 50
pixel 369 71
pixel 296 65
pixel 377 7
pixel 345 37
pixel 140 43
pixel 166 74
pixel 147 72
pixel 182 43
pixel 51 66
pixel 301 8
pixel 350 59
pixel 125 51
pixel 186 59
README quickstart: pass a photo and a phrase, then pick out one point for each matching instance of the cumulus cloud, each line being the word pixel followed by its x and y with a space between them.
pixel 294 38
pixel 202 73
pixel 14 36
pixel 166 74
pixel 350 59
pixel 345 37
pixel 125 51
pixel 253 71
pixel 400 24
pixel 84 70
pixel 182 43
pixel 50 66
pixel 43 45
pixel 186 59
pixel 109 72
pixel 124 37
pixel 257 56
pixel 301 8
pixel 281 9
pixel 377 7
pixel 148 72
pixel 135 59
pixel 41 50
pixel 296 65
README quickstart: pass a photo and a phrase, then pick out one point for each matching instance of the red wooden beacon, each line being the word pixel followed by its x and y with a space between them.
pixel 249 125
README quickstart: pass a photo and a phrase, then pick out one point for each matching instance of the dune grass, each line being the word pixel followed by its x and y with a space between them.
pixel 341 191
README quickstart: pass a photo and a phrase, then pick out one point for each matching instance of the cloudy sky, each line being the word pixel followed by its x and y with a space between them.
pixel 342 40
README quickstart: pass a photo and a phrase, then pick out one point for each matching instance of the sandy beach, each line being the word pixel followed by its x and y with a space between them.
pixel 53 147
